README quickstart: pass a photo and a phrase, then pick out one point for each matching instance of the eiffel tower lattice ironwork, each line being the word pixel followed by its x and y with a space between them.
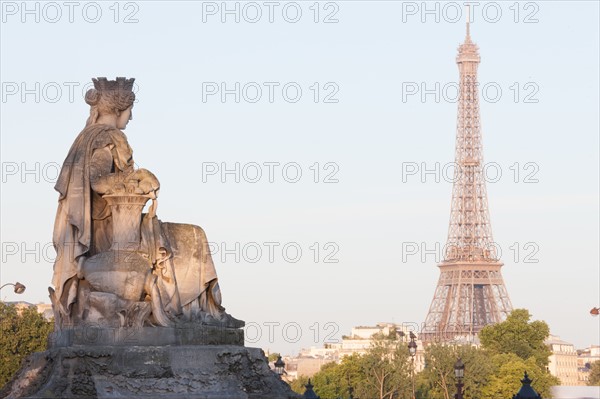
pixel 470 293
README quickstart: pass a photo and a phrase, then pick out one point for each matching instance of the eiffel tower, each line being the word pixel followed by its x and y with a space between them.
pixel 470 293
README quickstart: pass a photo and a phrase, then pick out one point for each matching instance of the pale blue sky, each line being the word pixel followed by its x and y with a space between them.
pixel 370 54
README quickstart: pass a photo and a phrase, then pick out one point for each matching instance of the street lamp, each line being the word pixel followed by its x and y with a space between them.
pixel 459 373
pixel 279 366
pixel 18 287
pixel 412 350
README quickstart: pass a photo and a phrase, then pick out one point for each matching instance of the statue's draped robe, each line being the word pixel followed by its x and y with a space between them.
pixel 83 227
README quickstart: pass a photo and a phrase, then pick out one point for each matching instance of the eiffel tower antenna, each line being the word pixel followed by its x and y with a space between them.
pixel 470 293
pixel 468 22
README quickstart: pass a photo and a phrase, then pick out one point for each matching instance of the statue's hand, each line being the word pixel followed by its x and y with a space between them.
pixel 141 182
pixel 105 184
pixel 147 183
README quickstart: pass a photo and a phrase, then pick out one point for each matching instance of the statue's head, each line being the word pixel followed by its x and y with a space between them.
pixel 111 97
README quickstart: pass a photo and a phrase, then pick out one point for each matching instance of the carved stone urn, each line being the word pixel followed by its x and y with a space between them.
pixel 120 279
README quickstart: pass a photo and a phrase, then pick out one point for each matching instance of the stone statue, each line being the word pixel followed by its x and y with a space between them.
pixel 117 266
pixel 137 302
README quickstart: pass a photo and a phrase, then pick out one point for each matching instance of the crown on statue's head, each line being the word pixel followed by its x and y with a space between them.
pixel 120 84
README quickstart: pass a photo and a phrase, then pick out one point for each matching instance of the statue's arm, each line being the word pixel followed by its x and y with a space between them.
pixel 101 168
pixel 128 167
pixel 107 174
pixel 122 154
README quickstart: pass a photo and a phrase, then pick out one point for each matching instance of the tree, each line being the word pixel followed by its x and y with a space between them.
pixel 331 382
pixel 480 370
pixel 594 378
pixel 298 385
pixel 517 345
pixel 21 334
pixel 519 336
pixel 506 380
pixel 383 372
pixel 437 380
pixel 334 380
pixel 386 369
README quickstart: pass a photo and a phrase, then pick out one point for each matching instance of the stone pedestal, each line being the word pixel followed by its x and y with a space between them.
pixel 184 334
pixel 136 371
pixel 141 317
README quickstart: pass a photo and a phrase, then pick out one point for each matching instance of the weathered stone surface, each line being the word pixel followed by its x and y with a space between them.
pixel 194 372
pixel 190 334
pixel 137 303
pixel 115 264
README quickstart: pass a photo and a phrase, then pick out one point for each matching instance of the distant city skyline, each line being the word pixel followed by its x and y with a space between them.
pixel 339 209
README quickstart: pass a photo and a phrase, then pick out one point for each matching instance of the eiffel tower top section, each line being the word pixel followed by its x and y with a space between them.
pixel 470 233
pixel 468 51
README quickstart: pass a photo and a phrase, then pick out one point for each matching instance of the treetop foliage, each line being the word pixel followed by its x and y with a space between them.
pixel 21 334
pixel 519 336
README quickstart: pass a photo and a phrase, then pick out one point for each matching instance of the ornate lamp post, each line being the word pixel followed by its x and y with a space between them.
pixel 412 350
pixel 309 393
pixel 526 391
pixel 18 287
pixel 459 373
pixel 279 366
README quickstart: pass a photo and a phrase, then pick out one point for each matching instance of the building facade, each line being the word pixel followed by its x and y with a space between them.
pixel 563 361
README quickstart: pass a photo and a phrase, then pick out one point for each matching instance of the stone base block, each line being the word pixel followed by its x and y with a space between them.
pixel 182 371
pixel 192 334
